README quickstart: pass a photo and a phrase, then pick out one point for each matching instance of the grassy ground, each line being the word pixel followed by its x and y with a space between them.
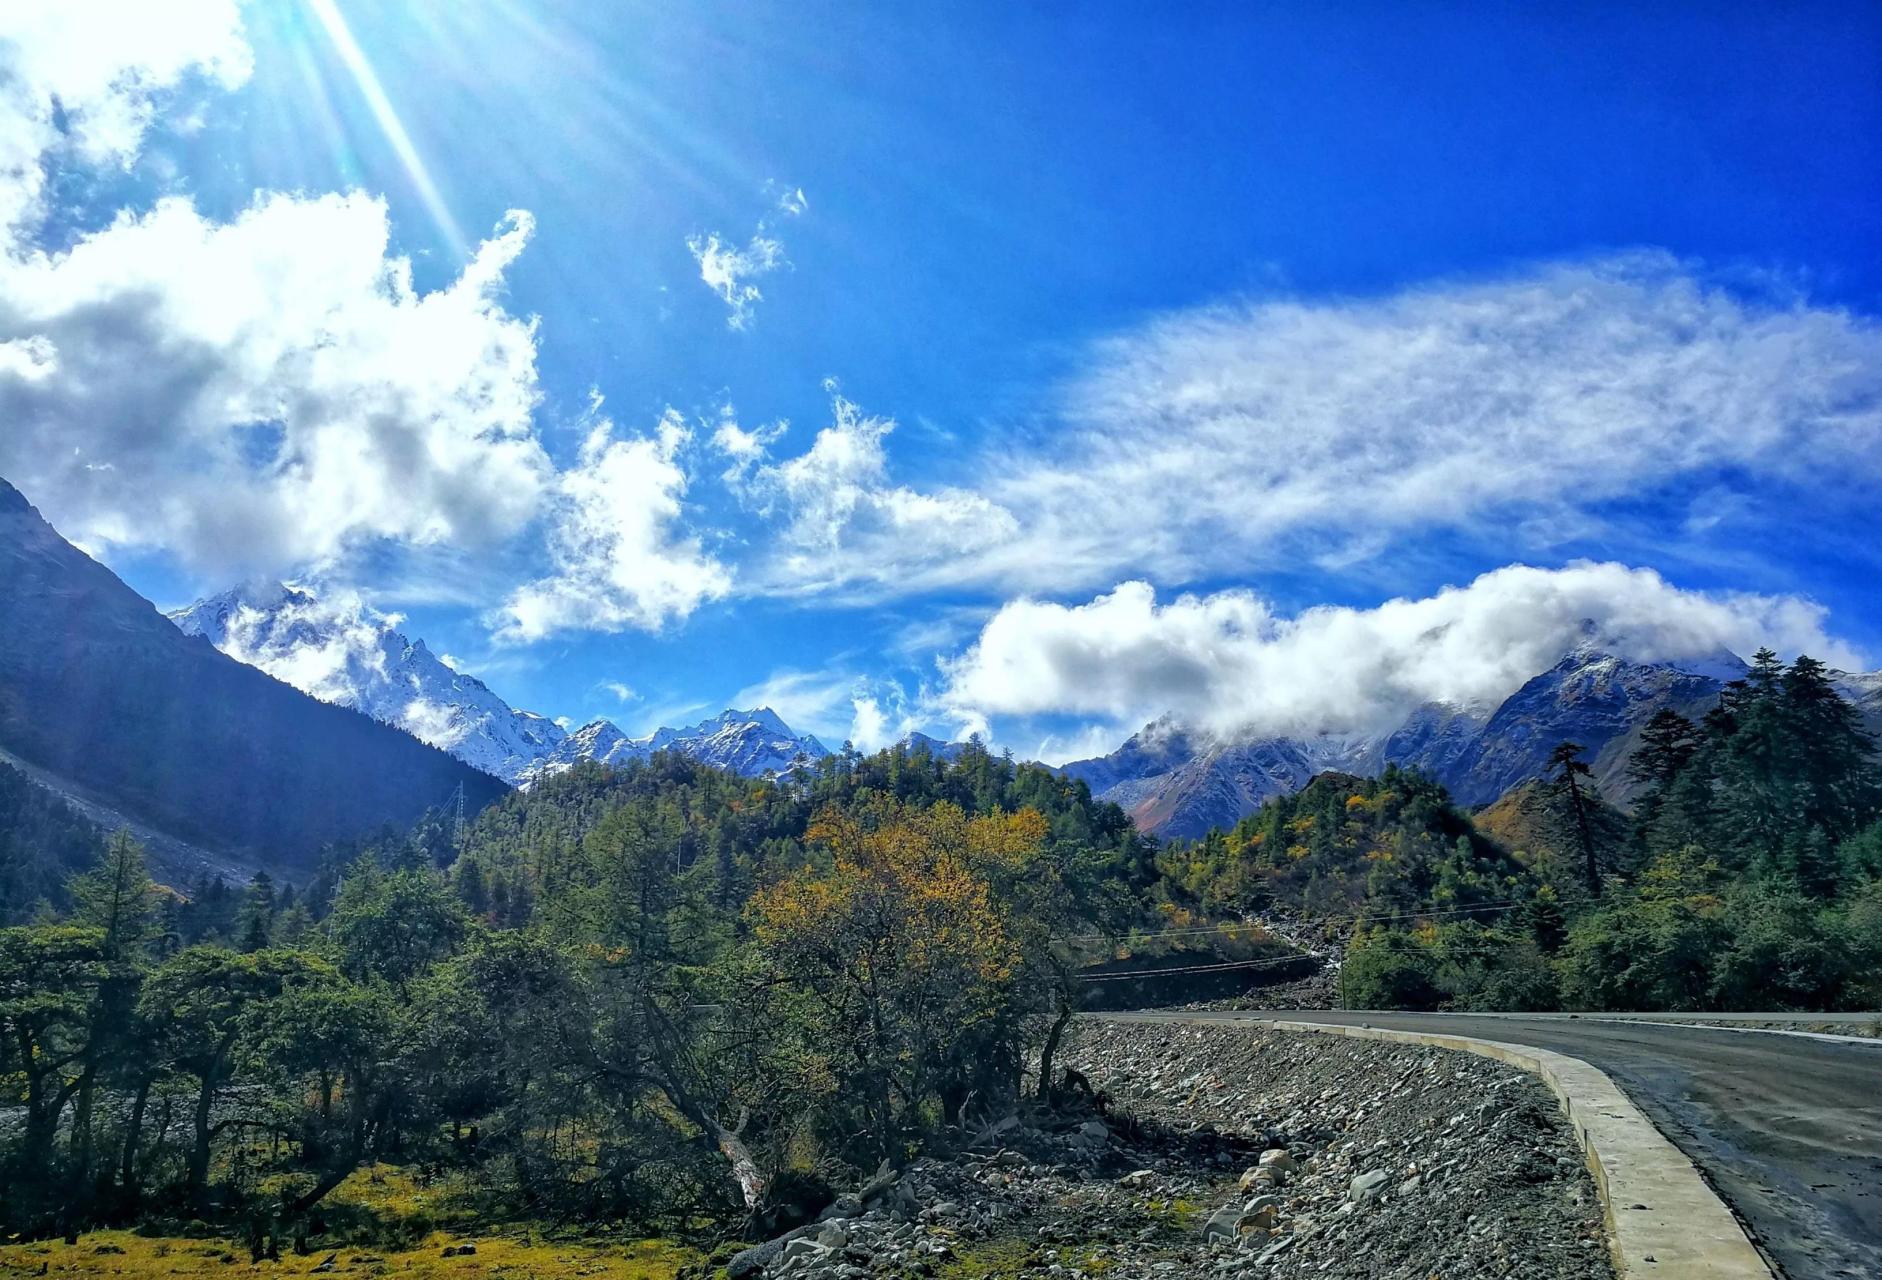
pixel 121 1253
pixel 370 1210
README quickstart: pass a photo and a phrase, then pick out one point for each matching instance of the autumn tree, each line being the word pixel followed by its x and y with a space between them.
pixel 902 959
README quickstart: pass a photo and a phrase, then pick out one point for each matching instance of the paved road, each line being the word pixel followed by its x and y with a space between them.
pixel 1787 1128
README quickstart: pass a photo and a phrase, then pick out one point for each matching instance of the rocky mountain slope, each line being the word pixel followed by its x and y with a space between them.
pixel 1177 783
pixel 352 657
pixel 99 690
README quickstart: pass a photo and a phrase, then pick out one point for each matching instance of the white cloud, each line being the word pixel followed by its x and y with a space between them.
pixel 729 270
pixel 620 558
pixel 273 393
pixel 743 449
pixel 269 392
pixel 808 701
pixel 623 694
pixel 838 504
pixel 792 202
pixel 1523 410
pixel 87 77
pixel 1226 663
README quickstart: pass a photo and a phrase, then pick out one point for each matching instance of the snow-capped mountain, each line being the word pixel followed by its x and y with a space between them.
pixel 345 653
pixel 752 743
pixel 1180 784
pixel 915 742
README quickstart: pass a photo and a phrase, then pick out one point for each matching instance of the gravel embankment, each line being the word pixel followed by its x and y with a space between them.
pixel 1232 1152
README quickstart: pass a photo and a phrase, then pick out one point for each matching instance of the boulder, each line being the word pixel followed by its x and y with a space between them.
pixel 1366 1187
pixel 1224 1223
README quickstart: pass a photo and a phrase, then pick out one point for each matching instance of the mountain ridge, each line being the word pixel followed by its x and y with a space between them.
pixel 103 693
pixel 1175 783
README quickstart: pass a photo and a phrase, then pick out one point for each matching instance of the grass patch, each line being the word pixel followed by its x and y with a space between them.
pixel 1173 1213
pixel 122 1253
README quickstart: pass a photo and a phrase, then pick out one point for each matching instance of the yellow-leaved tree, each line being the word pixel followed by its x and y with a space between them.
pixel 904 962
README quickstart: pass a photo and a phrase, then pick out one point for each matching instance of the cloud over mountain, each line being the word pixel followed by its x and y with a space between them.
pixel 1226 663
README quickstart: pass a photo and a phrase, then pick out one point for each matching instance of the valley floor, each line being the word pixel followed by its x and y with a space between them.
pixel 122 1253
pixel 1225 1151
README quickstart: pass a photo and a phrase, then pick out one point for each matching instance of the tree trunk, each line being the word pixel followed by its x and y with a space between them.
pixel 199 1147
pixel 133 1135
pixel 1051 1049
pixel 1587 837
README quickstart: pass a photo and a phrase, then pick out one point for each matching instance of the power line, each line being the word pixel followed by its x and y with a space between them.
pixel 1495 905
pixel 1194 968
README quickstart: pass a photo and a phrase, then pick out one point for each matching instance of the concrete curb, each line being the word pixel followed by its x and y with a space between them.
pixel 1663 1219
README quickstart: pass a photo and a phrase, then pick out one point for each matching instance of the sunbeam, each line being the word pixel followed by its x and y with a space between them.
pixel 333 22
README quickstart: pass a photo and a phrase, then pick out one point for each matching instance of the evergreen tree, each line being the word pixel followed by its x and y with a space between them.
pixel 1569 768
pixel 254 926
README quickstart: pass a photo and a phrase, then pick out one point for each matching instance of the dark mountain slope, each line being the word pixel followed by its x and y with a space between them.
pixel 99 688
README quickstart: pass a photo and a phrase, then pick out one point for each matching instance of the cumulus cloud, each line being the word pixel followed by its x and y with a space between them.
pixel 87 77
pixel 273 393
pixel 621 558
pixel 268 392
pixel 1226 663
pixel 729 270
pixel 836 502
pixel 1227 440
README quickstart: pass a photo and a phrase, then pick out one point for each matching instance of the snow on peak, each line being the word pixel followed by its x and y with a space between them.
pixel 341 650
pixel 752 743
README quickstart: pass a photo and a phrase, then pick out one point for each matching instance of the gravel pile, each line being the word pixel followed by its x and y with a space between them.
pixel 1230 1152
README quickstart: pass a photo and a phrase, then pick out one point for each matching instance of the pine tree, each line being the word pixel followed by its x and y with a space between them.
pixel 1569 769
pixel 117 897
pixel 254 926
pixel 471 887
pixel 1667 744
pixel 1838 781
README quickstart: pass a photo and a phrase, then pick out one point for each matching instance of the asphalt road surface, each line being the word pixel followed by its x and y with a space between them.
pixel 1787 1128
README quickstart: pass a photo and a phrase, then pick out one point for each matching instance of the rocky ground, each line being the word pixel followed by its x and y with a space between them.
pixel 1231 1152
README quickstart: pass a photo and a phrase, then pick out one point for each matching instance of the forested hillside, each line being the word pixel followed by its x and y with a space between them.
pixel 1748 875
pixel 43 842
pixel 665 995
pixel 100 689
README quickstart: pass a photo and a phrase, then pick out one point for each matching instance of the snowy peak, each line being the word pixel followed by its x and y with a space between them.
pixel 752 743
pixel 342 651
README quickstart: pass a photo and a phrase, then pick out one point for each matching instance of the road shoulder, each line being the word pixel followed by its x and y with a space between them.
pixel 1663 1219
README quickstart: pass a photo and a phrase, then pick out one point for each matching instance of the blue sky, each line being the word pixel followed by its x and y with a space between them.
pixel 1280 306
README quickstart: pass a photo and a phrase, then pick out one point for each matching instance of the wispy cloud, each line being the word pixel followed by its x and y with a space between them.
pixel 837 501
pixel 88 78
pixel 1233 439
pixel 729 271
